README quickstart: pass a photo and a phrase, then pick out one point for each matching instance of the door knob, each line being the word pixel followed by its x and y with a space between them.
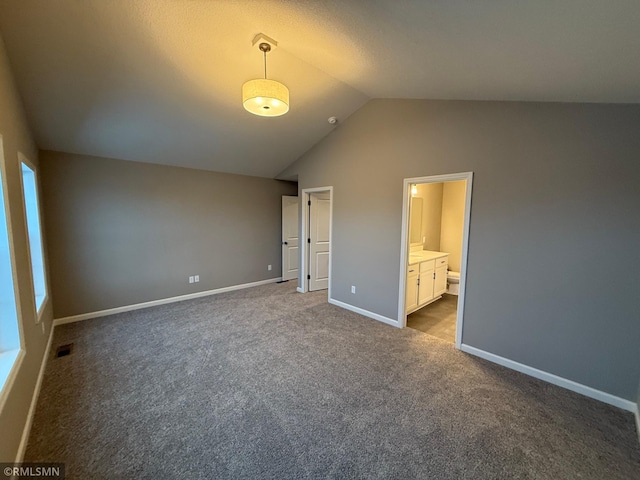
pixel 285 243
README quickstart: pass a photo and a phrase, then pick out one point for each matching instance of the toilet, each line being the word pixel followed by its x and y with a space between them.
pixel 453 282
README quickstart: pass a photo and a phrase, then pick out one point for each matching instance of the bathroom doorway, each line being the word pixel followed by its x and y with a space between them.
pixel 435 231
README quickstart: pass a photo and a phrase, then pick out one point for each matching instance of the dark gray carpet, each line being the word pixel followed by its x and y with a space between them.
pixel 267 383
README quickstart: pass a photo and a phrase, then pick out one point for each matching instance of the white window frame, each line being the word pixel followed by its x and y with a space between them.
pixel 38 310
pixel 10 360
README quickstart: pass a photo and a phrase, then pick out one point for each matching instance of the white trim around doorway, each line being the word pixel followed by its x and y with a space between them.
pixel 404 245
pixel 304 235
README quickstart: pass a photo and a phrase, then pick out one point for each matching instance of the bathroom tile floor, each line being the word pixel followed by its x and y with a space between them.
pixel 437 319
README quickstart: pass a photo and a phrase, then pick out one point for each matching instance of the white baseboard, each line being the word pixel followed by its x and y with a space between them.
pixel 366 313
pixel 638 421
pixel 554 379
pixel 163 301
pixel 34 401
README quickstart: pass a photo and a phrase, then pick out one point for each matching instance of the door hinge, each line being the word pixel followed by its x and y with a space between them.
pixel 309 203
pixel 308 277
pixel 418 281
pixel 308 240
pixel 434 275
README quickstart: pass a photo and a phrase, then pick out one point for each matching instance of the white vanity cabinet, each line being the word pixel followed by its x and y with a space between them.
pixel 425 282
pixel 440 277
pixel 426 278
pixel 412 287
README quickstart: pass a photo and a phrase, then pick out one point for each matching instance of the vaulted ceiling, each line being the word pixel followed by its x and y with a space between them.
pixel 160 80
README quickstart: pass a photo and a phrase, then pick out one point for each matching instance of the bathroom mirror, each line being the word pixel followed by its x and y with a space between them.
pixel 415 220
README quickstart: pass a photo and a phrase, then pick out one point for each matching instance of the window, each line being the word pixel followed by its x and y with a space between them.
pixel 9 330
pixel 30 190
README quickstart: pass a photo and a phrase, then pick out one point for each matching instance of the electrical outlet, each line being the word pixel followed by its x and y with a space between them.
pixel 196 278
pixel 191 279
pixel 269 267
pixel 353 289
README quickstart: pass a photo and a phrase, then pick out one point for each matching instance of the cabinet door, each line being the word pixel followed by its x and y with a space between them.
pixel 425 288
pixel 412 288
pixel 440 283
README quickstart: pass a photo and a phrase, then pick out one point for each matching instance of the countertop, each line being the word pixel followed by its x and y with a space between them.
pixel 422 255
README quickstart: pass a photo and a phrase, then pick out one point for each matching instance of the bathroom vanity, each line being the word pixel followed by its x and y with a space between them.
pixel 426 278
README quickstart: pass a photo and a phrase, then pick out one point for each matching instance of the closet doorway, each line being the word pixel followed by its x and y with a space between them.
pixel 316 247
pixel 434 249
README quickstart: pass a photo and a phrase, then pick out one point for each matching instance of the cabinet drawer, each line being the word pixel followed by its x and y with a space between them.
pixel 442 262
pixel 426 266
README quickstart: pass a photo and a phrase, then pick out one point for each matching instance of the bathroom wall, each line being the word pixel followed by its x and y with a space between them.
pixel 431 194
pixel 453 196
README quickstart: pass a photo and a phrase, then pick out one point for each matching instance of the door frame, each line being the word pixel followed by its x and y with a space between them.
pixel 404 245
pixel 303 287
pixel 282 249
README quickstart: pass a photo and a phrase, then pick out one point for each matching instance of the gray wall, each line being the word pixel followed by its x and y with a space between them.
pixel 553 269
pixel 16 137
pixel 121 233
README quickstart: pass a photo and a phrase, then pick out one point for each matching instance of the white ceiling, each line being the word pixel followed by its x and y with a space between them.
pixel 160 80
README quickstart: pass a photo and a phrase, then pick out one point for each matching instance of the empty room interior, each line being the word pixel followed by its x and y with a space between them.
pixel 319 239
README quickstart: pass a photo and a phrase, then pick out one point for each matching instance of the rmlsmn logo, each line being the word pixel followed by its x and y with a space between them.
pixel 42 471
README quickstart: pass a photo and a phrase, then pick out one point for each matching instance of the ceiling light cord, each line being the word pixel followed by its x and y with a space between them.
pixel 264 48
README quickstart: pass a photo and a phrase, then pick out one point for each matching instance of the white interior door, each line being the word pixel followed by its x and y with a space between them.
pixel 319 240
pixel 289 237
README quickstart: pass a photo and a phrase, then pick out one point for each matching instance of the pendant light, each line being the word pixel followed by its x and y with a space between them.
pixel 265 97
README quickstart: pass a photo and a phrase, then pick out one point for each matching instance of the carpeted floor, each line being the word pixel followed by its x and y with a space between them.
pixel 266 383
